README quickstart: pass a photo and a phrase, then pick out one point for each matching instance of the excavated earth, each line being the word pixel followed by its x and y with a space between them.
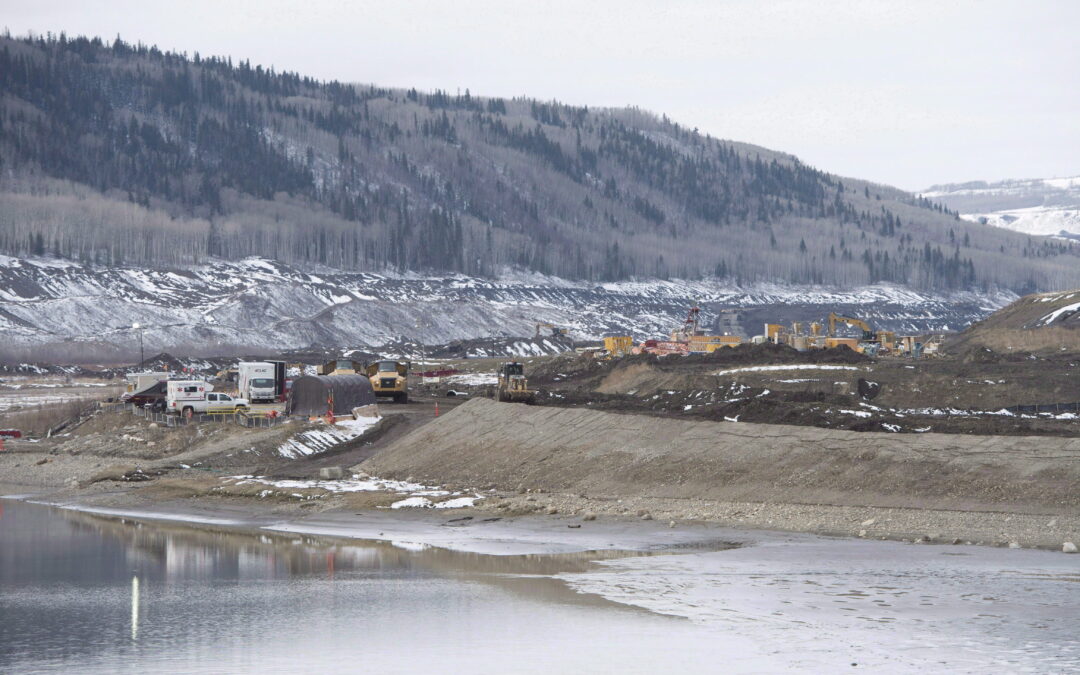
pixel 581 463
pixel 775 384
pixel 577 450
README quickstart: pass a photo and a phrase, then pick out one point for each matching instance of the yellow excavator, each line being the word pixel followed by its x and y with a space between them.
pixel 834 318
pixel 555 330
pixel 882 341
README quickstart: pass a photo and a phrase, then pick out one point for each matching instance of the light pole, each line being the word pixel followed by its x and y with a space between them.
pixel 420 337
pixel 142 355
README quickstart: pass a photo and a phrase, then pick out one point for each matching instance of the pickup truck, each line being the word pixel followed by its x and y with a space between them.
pixel 192 396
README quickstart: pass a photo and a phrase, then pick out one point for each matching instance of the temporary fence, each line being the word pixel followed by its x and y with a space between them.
pixel 243 418
pixel 1051 408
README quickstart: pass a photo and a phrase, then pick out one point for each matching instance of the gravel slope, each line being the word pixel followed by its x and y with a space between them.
pixel 575 450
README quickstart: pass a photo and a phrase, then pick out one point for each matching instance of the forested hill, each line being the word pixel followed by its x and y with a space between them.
pixel 114 154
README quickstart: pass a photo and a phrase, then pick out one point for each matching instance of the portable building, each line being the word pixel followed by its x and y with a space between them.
pixel 313 395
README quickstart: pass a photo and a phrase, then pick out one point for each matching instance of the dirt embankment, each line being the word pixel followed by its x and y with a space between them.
pixel 773 384
pixel 1044 322
pixel 606 455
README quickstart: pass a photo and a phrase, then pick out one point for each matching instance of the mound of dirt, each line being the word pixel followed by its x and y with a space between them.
pixel 575 450
pixel 1035 323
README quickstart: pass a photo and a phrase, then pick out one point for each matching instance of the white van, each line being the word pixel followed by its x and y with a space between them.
pixel 257 381
pixel 185 397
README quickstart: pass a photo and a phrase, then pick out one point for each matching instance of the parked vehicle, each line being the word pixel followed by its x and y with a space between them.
pixel 188 397
pixel 10 433
pixel 390 378
pixel 139 382
pixel 452 393
pixel 258 381
pixel 152 397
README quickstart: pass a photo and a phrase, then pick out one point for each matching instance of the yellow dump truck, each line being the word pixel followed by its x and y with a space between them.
pixel 512 384
pixel 390 378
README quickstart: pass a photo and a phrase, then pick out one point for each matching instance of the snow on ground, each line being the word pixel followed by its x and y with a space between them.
pixel 25 401
pixel 473 379
pixel 314 441
pixel 1038 220
pixel 354 484
pixel 219 304
pixel 1054 315
pixel 419 496
pixel 417 502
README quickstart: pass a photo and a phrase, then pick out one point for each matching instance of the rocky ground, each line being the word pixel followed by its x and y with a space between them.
pixel 924 526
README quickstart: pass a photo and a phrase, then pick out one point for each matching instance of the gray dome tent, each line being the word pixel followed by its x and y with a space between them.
pixel 310 395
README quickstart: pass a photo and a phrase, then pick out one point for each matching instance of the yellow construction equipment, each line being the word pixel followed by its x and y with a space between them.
pixel 340 367
pixel 886 339
pixel 555 330
pixel 390 378
pixel 619 345
pixel 512 384
pixel 710 343
pixel 832 342
pixel 857 323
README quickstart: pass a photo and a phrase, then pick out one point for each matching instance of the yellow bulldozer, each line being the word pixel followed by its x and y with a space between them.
pixel 513 387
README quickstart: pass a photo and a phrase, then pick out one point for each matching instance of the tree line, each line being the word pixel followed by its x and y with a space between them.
pixel 115 153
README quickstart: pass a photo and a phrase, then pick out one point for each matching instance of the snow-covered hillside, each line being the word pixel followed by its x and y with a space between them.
pixel 1046 206
pixel 52 307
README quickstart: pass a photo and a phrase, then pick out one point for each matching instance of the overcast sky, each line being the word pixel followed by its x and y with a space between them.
pixel 908 92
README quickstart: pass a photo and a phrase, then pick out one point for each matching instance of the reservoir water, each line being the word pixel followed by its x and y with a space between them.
pixel 80 593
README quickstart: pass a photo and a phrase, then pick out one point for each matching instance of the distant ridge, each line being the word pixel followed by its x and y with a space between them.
pixel 113 154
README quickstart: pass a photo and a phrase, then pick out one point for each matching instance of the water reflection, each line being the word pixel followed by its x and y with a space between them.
pixel 78 590
pixel 134 608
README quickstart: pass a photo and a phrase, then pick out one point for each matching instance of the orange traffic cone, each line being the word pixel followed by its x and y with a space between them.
pixel 436 408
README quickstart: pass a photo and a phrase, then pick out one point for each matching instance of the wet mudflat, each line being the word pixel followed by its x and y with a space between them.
pixel 92 594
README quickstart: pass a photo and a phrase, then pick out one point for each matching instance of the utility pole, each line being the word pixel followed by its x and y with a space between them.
pixel 142 354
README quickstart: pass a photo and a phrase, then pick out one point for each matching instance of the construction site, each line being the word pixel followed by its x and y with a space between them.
pixel 829 333
pixel 792 428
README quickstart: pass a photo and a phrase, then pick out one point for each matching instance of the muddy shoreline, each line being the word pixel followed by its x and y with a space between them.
pixel 559 473
pixel 546 522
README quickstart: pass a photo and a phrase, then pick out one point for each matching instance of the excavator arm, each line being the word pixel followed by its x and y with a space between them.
pixel 850 321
